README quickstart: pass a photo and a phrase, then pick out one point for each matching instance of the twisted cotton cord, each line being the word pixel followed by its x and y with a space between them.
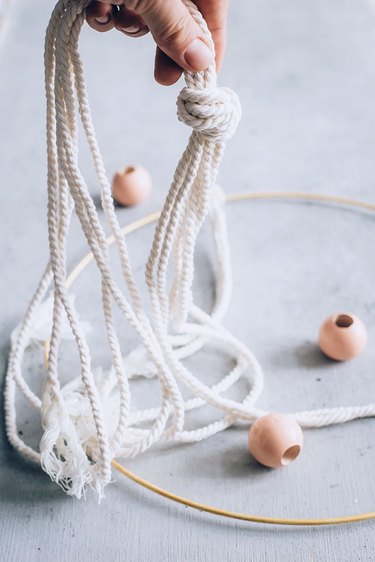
pixel 79 441
pixel 52 144
pixel 48 443
pixel 187 213
pixel 186 236
pixel 117 226
pixel 331 415
pixel 313 418
pixel 114 344
pixel 192 382
pixel 77 181
pixel 187 345
pixel 334 415
pixel 14 374
pixel 165 230
pixel 169 231
pixel 60 440
pixel 199 180
pixel 60 447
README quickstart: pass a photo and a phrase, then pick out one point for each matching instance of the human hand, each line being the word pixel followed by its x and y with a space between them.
pixel 180 42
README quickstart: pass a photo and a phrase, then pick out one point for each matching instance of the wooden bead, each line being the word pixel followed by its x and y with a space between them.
pixel 131 186
pixel 275 440
pixel 342 336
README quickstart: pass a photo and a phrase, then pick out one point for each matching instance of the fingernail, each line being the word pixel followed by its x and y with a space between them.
pixel 198 55
pixel 132 29
pixel 103 19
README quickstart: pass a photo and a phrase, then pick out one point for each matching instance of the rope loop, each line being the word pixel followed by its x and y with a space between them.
pixel 90 420
pixel 214 112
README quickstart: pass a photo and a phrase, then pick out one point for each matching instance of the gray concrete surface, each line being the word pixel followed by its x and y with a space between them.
pixel 305 72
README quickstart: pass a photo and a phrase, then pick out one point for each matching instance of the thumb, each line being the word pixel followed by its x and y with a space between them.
pixel 174 31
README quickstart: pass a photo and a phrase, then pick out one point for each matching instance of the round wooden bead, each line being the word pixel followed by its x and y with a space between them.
pixel 275 440
pixel 131 186
pixel 342 336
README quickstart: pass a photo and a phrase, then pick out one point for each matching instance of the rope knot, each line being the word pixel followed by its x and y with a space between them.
pixel 213 112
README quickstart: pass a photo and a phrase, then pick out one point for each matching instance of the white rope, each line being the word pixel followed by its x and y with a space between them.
pixel 91 419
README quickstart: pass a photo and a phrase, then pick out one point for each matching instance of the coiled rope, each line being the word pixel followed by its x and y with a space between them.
pixel 80 440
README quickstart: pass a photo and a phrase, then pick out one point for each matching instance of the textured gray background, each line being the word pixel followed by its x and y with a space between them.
pixel 305 72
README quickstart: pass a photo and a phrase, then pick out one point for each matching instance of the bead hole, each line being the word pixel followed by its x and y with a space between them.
pixel 344 321
pixel 290 455
pixel 129 169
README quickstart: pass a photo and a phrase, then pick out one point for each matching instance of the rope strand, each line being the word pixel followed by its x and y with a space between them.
pixel 91 420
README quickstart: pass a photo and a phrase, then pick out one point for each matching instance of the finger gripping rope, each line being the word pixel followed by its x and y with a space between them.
pixel 214 112
pixel 92 419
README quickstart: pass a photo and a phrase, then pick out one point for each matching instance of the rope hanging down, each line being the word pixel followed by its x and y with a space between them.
pixel 81 433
